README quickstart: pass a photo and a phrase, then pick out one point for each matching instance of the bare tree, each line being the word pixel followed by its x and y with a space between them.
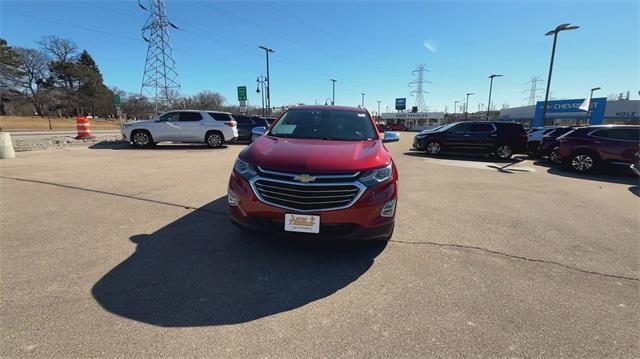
pixel 62 50
pixel 206 100
pixel 35 71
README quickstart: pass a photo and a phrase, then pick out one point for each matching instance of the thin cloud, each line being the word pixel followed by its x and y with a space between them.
pixel 431 45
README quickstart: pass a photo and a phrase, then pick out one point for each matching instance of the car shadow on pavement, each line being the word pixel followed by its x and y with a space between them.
pixel 200 270
pixel 121 145
pixel 467 157
pixel 605 175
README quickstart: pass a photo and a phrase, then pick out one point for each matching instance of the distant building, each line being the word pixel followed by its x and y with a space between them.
pixel 567 113
pixel 415 121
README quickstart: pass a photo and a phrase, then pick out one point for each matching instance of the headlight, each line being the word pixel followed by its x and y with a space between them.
pixel 373 177
pixel 244 169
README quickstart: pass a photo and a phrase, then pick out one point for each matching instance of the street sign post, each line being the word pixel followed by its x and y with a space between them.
pixel 116 100
pixel 242 93
pixel 401 104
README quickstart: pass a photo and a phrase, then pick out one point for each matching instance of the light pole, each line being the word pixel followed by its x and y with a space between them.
pixel 362 99
pixel 378 107
pixel 268 92
pixel 261 81
pixel 333 97
pixel 589 109
pixel 490 88
pixel 466 106
pixel 455 107
pixel 554 32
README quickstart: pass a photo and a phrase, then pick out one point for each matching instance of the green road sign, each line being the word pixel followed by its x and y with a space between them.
pixel 242 93
pixel 116 100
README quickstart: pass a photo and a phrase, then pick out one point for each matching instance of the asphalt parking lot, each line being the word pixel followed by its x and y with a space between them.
pixel 110 251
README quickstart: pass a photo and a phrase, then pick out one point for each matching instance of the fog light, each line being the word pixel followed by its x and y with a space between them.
pixel 232 199
pixel 389 209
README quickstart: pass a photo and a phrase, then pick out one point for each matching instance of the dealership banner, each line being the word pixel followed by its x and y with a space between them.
pixel 571 108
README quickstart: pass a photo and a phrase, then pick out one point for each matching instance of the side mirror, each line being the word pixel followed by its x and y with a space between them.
pixel 258 131
pixel 390 137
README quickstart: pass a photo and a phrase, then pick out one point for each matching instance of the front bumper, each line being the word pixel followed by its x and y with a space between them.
pixel 362 220
pixel 418 143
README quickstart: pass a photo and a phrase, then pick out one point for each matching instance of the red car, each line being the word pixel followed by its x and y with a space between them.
pixel 397 127
pixel 319 171
pixel 588 148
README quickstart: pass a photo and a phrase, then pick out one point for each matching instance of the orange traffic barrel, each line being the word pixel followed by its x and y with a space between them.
pixel 84 128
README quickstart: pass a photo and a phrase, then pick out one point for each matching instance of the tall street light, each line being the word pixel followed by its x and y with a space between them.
pixel 267 51
pixel 455 107
pixel 466 106
pixel 589 109
pixel 554 32
pixel 333 97
pixel 490 88
pixel 362 99
pixel 378 107
pixel 261 81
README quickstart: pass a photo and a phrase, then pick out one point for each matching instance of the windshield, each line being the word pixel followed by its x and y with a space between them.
pixel 325 125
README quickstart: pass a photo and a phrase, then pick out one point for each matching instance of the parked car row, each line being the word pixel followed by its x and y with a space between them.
pixel 584 149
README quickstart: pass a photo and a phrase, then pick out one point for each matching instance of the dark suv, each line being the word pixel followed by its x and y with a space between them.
pixel 502 139
pixel 248 123
pixel 587 148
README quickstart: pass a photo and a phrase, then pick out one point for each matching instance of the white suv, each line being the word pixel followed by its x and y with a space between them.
pixel 210 127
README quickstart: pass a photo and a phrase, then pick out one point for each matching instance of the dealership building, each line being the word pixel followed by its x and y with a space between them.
pixel 414 120
pixel 568 113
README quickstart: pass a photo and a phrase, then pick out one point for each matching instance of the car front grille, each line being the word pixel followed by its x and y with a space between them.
pixel 341 193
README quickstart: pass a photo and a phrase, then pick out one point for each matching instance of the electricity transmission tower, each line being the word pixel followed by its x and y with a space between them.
pixel 419 83
pixel 534 90
pixel 160 79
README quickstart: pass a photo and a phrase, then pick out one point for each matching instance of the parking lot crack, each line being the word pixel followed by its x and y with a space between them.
pixel 115 194
pixel 513 256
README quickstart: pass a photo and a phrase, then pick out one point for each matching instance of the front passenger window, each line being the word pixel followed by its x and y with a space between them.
pixel 170 117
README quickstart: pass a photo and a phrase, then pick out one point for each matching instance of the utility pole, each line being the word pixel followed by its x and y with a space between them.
pixel 333 97
pixel 455 107
pixel 490 88
pixel 589 108
pixel 419 83
pixel 268 95
pixel 363 100
pixel 160 77
pixel 378 107
pixel 554 32
pixel 466 106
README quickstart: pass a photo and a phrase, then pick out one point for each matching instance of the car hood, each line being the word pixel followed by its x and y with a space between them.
pixel 315 156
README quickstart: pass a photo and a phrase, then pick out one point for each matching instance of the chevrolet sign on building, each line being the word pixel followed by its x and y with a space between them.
pixel 568 113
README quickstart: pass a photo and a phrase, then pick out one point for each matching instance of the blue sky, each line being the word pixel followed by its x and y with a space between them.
pixel 368 46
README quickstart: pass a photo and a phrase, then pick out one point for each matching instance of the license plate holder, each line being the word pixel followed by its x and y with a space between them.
pixel 303 223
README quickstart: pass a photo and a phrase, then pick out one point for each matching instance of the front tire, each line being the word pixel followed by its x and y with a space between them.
pixel 504 152
pixel 214 139
pixel 433 148
pixel 141 139
pixel 583 162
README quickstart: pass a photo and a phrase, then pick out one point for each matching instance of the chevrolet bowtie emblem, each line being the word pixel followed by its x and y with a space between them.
pixel 304 178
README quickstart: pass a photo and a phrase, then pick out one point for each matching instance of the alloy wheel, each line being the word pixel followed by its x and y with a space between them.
pixel 504 151
pixel 214 140
pixel 582 163
pixel 141 139
pixel 433 148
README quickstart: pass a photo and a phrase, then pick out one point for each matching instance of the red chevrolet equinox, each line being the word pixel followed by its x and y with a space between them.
pixel 319 171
